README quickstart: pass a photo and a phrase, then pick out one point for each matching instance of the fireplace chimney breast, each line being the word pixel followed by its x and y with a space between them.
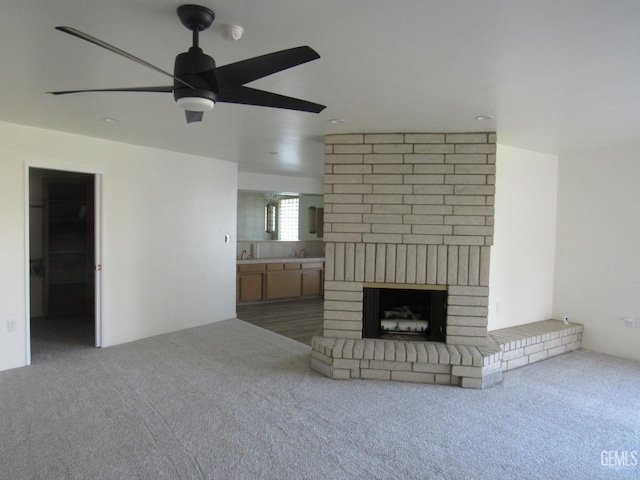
pixel 412 209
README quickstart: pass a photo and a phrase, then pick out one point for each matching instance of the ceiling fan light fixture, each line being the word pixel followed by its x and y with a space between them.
pixel 195 104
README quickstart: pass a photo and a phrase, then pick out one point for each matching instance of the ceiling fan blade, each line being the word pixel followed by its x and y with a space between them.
pixel 252 96
pixel 193 116
pixel 245 71
pixel 133 89
pixel 111 48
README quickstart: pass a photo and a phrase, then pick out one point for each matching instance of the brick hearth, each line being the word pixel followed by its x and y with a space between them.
pixel 425 362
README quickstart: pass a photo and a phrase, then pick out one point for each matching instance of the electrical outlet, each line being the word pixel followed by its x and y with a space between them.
pixel 11 325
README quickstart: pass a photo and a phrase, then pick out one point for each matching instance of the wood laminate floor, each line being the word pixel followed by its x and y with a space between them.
pixel 297 319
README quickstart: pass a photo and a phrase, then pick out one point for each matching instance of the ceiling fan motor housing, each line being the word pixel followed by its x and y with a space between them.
pixel 197 69
pixel 195 17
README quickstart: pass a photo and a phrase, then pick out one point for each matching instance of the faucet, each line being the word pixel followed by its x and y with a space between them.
pixel 244 255
pixel 302 253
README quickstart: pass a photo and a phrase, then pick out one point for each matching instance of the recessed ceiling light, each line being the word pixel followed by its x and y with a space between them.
pixel 336 120
pixel 112 120
pixel 484 117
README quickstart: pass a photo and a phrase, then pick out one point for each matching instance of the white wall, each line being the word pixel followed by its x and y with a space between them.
pixel 274 183
pixel 165 263
pixel 598 243
pixel 522 257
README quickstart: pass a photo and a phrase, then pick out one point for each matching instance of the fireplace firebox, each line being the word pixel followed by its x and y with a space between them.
pixel 404 314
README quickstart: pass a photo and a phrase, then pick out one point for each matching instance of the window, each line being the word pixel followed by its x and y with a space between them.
pixel 288 219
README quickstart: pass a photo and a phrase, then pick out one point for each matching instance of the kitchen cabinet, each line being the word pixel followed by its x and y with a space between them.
pixel 250 283
pixel 285 283
pixel 250 287
pixel 278 280
pixel 312 279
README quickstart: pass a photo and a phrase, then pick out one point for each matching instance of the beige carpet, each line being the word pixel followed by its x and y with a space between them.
pixel 233 401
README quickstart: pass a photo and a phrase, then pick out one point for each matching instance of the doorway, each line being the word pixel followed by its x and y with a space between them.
pixel 64 267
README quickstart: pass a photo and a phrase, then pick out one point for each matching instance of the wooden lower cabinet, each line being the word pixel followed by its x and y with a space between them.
pixel 250 287
pixel 275 281
pixel 284 284
pixel 311 282
pixel 250 283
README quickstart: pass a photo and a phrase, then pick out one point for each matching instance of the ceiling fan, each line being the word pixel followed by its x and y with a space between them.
pixel 198 84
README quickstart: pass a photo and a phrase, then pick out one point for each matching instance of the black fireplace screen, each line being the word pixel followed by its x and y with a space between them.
pixel 404 314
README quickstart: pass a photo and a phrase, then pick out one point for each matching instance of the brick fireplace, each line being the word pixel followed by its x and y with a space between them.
pixel 410 211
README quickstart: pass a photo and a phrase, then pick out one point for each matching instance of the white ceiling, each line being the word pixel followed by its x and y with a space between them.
pixel 558 76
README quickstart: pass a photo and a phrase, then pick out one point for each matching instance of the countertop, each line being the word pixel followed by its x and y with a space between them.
pixel 281 260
